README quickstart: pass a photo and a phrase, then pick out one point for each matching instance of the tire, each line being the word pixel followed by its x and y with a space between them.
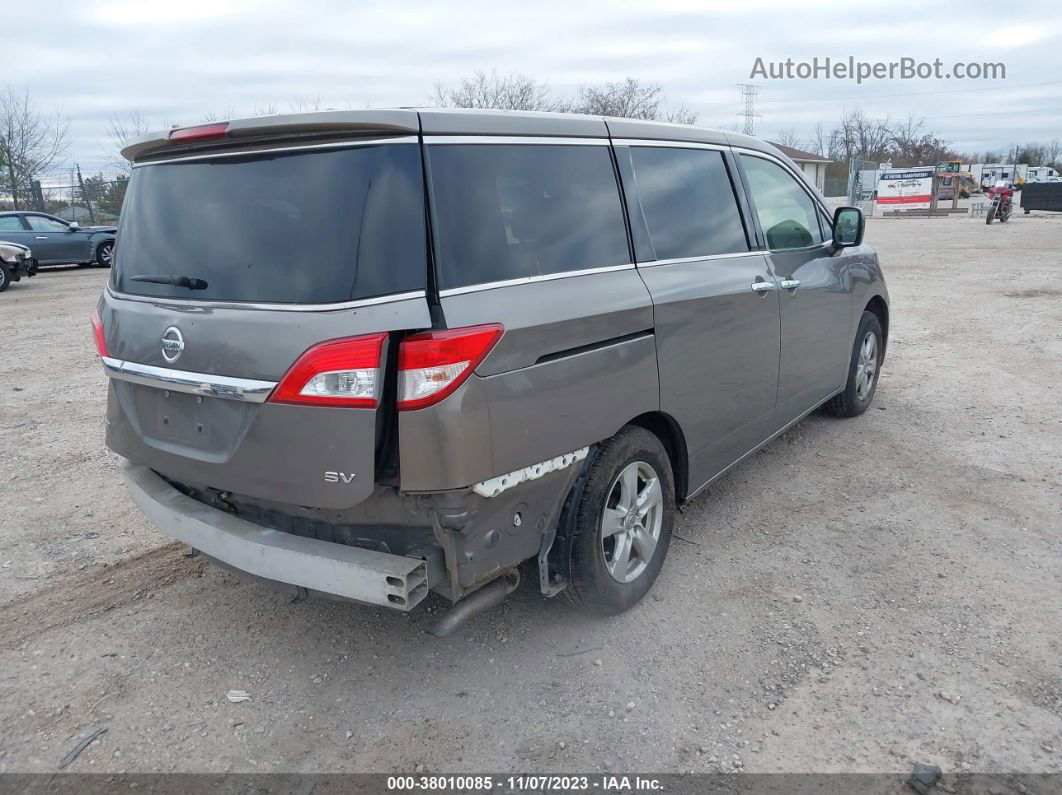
pixel 602 578
pixel 5 277
pixel 991 214
pixel 857 395
pixel 104 253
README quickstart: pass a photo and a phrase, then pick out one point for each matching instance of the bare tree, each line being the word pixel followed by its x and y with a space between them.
pixel 632 99
pixel 629 97
pixel 228 113
pixel 820 140
pixel 1054 153
pixel 503 92
pixel 121 130
pixel 858 135
pixel 305 103
pixel 789 138
pixel 31 142
pixel 906 134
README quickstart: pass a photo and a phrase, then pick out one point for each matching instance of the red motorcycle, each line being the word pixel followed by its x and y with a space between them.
pixel 1002 197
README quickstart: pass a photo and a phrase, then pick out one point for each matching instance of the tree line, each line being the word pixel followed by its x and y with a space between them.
pixel 906 142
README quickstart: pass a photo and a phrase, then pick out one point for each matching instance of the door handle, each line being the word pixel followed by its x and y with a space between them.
pixel 760 286
pixel 790 283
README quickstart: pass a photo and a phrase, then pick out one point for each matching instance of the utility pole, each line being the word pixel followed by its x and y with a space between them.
pixel 84 196
pixel 748 97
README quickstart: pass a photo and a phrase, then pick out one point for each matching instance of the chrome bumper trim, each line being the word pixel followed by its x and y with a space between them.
pixel 223 386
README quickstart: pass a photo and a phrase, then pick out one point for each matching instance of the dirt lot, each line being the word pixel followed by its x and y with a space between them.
pixel 859 596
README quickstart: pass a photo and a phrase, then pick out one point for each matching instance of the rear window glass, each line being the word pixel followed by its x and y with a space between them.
pixel 512 211
pixel 310 227
pixel 688 202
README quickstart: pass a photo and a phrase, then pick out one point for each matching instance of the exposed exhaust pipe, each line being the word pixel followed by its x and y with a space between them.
pixel 485 598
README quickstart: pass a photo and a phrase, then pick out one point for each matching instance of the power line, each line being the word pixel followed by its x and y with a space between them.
pixel 868 97
pixel 912 93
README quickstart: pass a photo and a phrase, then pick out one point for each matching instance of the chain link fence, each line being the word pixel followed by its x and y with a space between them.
pixel 89 201
pixel 862 184
pixel 854 181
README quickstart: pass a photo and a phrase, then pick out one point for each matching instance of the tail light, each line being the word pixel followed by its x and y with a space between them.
pixel 97 334
pixel 433 364
pixel 345 372
pixel 203 132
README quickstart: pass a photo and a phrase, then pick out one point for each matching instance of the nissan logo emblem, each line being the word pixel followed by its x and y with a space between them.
pixel 172 344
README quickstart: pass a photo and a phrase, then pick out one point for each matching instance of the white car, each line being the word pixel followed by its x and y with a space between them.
pixel 16 261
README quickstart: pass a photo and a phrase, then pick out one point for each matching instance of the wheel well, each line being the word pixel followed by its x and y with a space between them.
pixel 876 306
pixel 670 435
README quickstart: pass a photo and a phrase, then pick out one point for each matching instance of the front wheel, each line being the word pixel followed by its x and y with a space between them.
pixel 862 370
pixel 105 254
pixel 622 523
pixel 5 277
pixel 991 214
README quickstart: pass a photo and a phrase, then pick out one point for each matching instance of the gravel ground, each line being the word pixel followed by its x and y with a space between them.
pixel 859 596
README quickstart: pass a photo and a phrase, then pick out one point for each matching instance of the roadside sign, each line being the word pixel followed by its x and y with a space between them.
pixel 905 189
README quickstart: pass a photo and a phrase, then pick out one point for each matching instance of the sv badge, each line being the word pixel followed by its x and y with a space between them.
pixel 340 477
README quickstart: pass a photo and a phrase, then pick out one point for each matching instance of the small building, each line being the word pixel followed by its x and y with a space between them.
pixel 814 166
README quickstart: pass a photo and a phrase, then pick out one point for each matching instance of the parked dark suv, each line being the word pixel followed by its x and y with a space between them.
pixel 376 353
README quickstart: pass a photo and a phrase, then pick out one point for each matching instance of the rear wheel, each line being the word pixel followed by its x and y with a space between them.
pixel 862 370
pixel 105 254
pixel 5 277
pixel 622 526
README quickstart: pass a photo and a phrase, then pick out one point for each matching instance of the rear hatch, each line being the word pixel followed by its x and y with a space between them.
pixel 254 307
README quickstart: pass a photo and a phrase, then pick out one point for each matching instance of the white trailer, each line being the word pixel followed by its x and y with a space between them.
pixel 1042 174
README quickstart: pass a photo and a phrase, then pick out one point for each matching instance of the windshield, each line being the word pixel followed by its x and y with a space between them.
pixel 292 227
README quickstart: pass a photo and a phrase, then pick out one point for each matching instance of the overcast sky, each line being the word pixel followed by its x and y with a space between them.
pixel 179 60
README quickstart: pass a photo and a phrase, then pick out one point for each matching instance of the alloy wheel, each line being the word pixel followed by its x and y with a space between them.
pixel 631 521
pixel 866 365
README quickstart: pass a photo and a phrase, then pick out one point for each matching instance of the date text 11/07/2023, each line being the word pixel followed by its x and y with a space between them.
pixel 523 783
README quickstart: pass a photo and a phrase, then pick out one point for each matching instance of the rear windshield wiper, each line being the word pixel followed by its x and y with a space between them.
pixel 191 282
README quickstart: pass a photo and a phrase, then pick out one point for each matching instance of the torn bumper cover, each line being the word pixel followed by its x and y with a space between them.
pixel 349 572
pixel 18 259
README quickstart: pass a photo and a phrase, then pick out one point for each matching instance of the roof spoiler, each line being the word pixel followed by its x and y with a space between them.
pixel 335 122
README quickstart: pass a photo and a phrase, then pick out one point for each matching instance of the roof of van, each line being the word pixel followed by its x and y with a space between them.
pixel 439 121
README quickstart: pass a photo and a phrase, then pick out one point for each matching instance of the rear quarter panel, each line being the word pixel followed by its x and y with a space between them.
pixel 577 361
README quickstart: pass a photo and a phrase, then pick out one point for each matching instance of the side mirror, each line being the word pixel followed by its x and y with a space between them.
pixel 848 226
pixel 73 226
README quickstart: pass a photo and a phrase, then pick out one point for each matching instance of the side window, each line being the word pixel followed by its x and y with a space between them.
pixel 511 211
pixel 787 214
pixel 688 202
pixel 10 223
pixel 38 223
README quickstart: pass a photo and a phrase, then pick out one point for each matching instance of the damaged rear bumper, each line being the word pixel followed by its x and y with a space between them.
pixel 349 572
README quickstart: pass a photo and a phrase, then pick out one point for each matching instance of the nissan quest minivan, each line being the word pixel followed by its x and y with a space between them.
pixel 377 353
